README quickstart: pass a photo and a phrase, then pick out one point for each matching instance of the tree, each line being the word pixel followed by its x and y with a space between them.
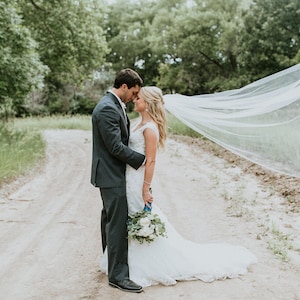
pixel 183 46
pixel 71 42
pixel 269 40
pixel 128 38
pixel 21 70
pixel 200 44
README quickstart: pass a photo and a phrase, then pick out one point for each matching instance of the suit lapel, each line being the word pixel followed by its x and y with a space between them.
pixel 128 124
pixel 120 109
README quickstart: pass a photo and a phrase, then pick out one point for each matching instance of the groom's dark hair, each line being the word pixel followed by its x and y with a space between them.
pixel 129 77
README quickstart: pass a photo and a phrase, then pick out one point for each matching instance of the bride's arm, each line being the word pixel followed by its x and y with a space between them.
pixel 150 152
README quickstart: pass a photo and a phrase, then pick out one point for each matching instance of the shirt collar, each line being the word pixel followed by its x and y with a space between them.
pixel 120 101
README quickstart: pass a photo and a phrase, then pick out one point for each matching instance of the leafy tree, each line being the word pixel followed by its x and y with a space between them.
pixel 164 37
pixel 71 43
pixel 128 38
pixel 200 41
pixel 183 46
pixel 21 70
pixel 269 41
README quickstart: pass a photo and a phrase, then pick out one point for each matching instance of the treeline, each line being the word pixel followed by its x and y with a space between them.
pixel 59 56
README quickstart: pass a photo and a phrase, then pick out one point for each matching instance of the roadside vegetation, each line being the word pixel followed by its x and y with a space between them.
pixel 19 151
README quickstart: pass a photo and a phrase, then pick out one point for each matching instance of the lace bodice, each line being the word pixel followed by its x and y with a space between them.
pixel 136 140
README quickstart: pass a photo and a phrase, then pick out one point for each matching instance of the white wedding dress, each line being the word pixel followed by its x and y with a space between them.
pixel 167 260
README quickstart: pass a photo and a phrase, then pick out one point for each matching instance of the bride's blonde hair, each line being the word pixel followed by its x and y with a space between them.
pixel 155 108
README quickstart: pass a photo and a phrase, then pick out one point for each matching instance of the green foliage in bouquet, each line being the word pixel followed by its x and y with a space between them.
pixel 145 226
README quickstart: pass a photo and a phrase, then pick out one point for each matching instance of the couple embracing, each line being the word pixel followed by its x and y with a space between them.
pixel 122 167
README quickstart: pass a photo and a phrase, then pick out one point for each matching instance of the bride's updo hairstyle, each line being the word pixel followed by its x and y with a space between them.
pixel 155 108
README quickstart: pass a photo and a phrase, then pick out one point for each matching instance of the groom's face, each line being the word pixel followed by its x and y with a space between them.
pixel 130 94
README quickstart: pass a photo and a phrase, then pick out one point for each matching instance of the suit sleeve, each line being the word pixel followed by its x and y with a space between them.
pixel 108 121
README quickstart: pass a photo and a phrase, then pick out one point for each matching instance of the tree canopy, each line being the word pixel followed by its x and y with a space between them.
pixel 50 50
pixel 21 69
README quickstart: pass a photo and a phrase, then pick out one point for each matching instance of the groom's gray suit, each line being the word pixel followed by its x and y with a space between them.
pixel 110 156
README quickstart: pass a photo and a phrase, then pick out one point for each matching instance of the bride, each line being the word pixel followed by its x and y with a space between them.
pixel 168 260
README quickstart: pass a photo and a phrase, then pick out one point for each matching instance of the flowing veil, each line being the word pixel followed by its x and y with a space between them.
pixel 259 122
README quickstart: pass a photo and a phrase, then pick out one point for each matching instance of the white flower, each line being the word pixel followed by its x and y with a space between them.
pixel 145 222
pixel 145 231
pixel 152 236
pixel 151 217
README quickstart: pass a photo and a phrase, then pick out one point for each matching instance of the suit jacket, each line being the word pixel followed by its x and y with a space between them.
pixel 110 144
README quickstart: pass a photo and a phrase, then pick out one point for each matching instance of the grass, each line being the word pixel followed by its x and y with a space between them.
pixel 19 151
pixel 279 242
pixel 54 122
pixel 177 127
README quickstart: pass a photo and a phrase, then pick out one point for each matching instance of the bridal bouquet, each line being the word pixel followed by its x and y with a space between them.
pixel 144 226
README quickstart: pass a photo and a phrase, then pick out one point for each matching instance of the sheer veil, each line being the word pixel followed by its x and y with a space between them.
pixel 260 122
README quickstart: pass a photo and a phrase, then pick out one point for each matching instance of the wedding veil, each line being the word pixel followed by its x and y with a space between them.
pixel 259 122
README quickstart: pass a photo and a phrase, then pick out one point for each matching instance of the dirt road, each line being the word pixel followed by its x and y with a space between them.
pixel 49 226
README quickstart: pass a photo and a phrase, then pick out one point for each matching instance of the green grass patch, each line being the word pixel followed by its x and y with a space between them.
pixel 54 122
pixel 175 126
pixel 19 151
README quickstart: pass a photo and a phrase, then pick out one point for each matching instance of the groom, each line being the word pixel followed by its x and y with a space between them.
pixel 110 156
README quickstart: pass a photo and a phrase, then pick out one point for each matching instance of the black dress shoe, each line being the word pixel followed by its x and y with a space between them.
pixel 127 285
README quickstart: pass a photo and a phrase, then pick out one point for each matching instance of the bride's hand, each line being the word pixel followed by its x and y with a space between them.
pixel 147 196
